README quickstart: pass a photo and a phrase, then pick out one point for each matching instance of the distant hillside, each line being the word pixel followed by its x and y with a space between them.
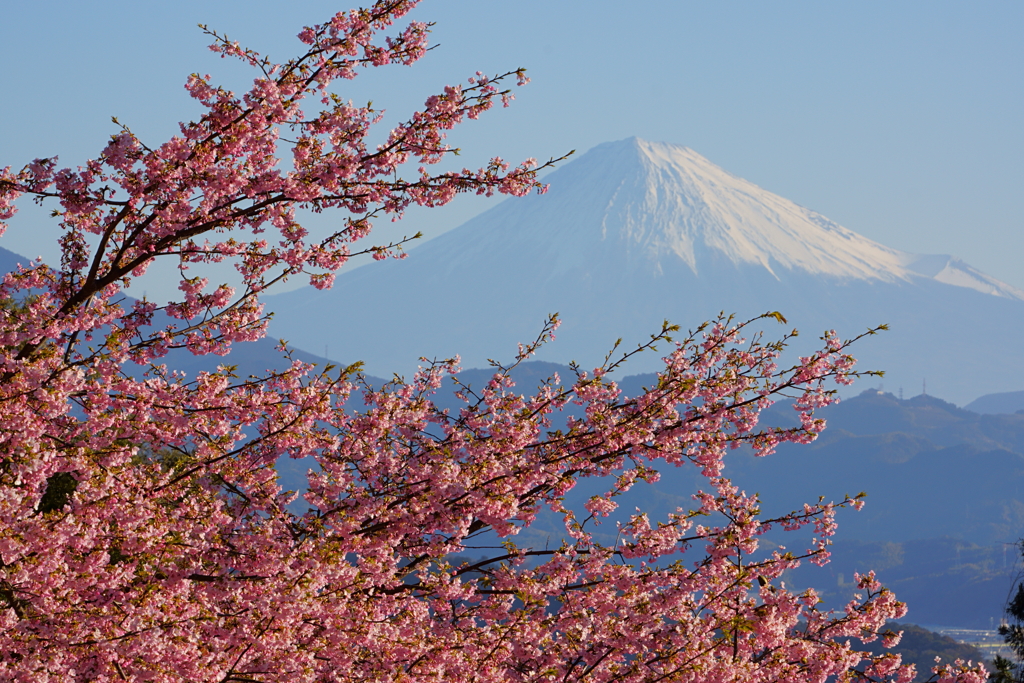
pixel 920 647
pixel 930 469
pixel 1007 402
pixel 944 581
pixel 249 358
pixel 9 260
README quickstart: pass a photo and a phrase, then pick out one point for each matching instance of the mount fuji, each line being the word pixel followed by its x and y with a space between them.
pixel 634 232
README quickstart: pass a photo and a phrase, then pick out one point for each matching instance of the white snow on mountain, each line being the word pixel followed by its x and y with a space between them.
pixel 686 200
pixel 692 199
pixel 953 271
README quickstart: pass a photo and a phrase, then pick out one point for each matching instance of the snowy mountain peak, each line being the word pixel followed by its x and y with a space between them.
pixel 953 271
pixel 676 202
pixel 651 207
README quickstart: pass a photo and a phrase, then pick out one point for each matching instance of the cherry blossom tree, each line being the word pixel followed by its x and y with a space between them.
pixel 144 535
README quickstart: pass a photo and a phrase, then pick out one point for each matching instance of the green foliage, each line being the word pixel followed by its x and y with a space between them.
pixel 1003 671
pixel 1013 635
pixel 59 489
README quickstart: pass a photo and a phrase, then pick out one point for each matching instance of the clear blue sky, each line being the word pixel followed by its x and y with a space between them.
pixel 900 120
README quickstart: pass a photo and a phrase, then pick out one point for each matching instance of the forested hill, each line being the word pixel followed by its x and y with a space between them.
pixel 930 468
pixel 935 423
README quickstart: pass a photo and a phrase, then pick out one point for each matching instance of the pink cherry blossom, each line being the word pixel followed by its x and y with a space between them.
pixel 144 532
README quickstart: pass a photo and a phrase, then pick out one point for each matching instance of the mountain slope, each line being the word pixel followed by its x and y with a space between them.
pixel 1005 402
pixel 9 261
pixel 634 232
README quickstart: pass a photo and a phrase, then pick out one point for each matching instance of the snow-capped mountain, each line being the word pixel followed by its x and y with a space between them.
pixel 655 204
pixel 953 271
pixel 634 232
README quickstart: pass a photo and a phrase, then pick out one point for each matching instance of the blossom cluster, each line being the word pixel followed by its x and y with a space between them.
pixel 144 531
